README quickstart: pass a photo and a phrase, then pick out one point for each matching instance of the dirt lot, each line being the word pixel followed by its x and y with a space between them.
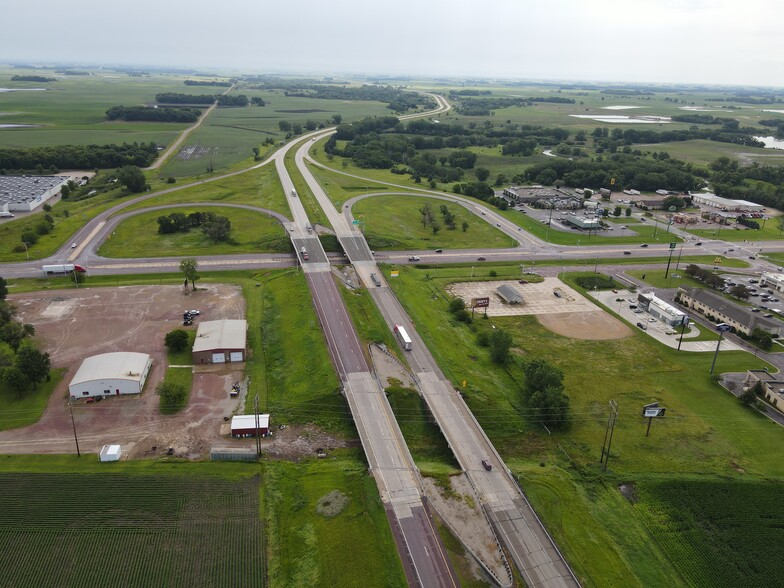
pixel 567 313
pixel 74 324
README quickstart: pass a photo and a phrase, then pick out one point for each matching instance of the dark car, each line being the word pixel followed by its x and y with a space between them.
pixel 481 258
pixel 487 465
pixel 627 252
pixel 698 243
pixel 439 250
pixel 642 326
pixel 644 245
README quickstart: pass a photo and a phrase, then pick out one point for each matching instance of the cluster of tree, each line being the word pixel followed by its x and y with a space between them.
pixel 425 165
pixel 176 98
pixel 22 366
pixel 236 100
pixel 397 100
pixel 137 113
pixel 481 191
pixel 176 340
pixel 257 101
pixel 747 222
pixel 485 106
pixel 132 178
pixel 728 133
pixel 629 172
pixel 30 236
pixel 78 156
pixel 205 83
pixel 456 93
pixel 544 398
pixel 704 119
pixel 72 72
pixel 498 341
pixel 39 79
pixel 762 184
pixel 705 276
pixel 216 227
pixel 749 99
pixel 776 123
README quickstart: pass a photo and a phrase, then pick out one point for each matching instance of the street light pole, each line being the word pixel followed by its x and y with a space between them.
pixel 73 424
pixel 722 328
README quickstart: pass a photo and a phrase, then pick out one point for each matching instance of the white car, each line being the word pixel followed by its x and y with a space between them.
pixel 73 245
pixel 193 312
pixel 413 258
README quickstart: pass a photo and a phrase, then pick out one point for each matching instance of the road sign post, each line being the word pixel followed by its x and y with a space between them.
pixel 669 260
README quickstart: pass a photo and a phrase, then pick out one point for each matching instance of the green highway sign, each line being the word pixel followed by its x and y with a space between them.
pixel 672 245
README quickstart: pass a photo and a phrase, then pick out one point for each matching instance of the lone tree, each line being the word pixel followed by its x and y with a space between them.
pixel 14 379
pixel 500 343
pixel 749 396
pixel 132 178
pixel 189 267
pixel 176 340
pixel 33 364
pixel 545 399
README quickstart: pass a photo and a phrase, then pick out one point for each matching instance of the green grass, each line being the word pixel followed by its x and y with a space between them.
pixel 706 430
pixel 182 377
pixel 700 152
pixel 354 548
pixel 735 233
pixel 19 411
pixel 394 222
pixel 251 232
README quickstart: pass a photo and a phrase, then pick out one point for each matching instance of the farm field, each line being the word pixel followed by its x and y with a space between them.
pixel 706 432
pixel 703 153
pixel 88 529
pixel 73 109
pixel 251 232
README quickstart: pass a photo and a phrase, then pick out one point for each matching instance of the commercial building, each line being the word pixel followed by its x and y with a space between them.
pixel 722 310
pixel 726 204
pixel 661 310
pixel 26 193
pixel 775 281
pixel 543 197
pixel 245 425
pixel 111 374
pixel 583 223
pixel 220 341
pixel 772 387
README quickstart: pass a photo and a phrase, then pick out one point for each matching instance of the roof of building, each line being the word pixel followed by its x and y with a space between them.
pixel 248 421
pixel 770 277
pixel 766 377
pixel 222 334
pixel 120 365
pixel 720 202
pixel 22 189
pixel 730 309
pixel 509 294
pixel 663 305
pixel 111 450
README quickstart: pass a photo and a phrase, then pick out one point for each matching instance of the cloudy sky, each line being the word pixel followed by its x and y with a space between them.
pixel 694 41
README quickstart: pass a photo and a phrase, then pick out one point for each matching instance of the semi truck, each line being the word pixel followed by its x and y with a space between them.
pixel 304 253
pixel 405 341
pixel 62 269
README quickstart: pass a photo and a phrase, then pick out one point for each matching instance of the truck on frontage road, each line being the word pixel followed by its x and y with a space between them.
pixel 62 269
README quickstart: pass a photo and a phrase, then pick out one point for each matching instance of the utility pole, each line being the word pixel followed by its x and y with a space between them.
pixel 683 330
pixel 612 418
pixel 73 424
pixel 256 418
pixel 722 328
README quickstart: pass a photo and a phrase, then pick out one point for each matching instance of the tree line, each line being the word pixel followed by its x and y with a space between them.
pixel 206 83
pixel 177 98
pixel 78 156
pixel 22 366
pixel 235 100
pixel 397 100
pixel 137 113
pixel 39 79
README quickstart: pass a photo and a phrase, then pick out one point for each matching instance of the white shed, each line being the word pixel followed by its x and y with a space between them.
pixel 110 453
pixel 111 374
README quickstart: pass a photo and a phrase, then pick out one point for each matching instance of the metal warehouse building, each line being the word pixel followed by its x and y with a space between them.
pixel 111 374
pixel 220 341
pixel 244 425
pixel 25 193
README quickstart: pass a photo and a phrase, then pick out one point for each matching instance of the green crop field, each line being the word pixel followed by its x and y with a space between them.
pixel 251 232
pixel 707 431
pixel 82 529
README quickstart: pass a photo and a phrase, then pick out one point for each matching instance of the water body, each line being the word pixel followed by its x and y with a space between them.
pixel 698 108
pixel 771 142
pixel 619 107
pixel 23 89
pixel 618 118
pixel 17 126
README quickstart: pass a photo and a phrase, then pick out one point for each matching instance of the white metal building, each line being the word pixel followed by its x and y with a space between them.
pixel 111 374
pixel 773 281
pixel 726 203
pixel 25 193
pixel 220 341
pixel 244 425
pixel 661 310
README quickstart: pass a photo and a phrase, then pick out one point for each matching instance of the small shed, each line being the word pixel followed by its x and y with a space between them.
pixel 110 453
pixel 244 425
pixel 509 295
pixel 221 341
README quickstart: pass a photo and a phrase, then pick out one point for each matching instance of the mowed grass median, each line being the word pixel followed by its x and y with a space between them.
pixel 251 232
pixel 706 432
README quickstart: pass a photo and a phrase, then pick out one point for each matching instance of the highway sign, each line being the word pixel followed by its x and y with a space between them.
pixel 480 302
pixel 672 245
pixel 654 412
pixel 394 273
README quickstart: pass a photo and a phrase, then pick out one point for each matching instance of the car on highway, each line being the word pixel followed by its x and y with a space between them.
pixel 413 258
pixel 752 257
pixel 644 245
pixel 627 252
pixel 73 245
pixel 698 243
pixel 642 326
pixel 498 224
pixel 481 258
pixel 439 250
pixel 487 465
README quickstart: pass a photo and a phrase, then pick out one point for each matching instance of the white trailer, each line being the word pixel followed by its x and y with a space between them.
pixel 62 269
pixel 405 340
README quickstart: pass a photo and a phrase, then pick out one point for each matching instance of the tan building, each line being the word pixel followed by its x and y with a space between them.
pixel 222 341
pixel 723 310
pixel 772 387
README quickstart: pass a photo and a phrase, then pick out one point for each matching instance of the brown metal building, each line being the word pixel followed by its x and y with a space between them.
pixel 221 341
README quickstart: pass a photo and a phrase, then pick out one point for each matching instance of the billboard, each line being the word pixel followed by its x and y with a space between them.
pixel 480 302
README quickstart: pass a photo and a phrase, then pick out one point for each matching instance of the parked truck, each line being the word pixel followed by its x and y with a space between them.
pixel 304 253
pixel 62 269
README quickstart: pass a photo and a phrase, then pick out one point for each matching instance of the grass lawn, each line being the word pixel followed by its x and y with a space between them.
pixel 352 548
pixel 251 232
pixel 16 411
pixel 703 152
pixel 394 222
pixel 735 233
pixel 706 430
pixel 182 377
